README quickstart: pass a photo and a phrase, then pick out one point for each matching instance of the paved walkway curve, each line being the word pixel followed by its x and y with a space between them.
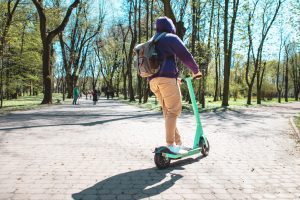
pixel 105 152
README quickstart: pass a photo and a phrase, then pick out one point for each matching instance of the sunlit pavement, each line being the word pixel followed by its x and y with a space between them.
pixel 105 152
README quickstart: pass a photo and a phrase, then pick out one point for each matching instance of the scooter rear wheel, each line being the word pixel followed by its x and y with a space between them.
pixel 204 147
pixel 160 161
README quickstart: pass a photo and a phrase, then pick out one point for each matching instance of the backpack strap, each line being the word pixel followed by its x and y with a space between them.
pixel 159 36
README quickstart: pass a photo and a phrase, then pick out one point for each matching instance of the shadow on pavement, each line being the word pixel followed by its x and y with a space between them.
pixel 93 123
pixel 136 184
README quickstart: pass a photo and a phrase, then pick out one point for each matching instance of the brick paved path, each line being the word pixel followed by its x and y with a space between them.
pixel 105 152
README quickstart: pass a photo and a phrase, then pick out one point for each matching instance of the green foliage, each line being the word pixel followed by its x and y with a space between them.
pixel 22 55
pixel 28 102
pixel 202 55
pixel 23 52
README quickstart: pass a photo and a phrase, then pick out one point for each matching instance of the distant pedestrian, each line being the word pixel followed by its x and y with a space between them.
pixel 75 95
pixel 95 97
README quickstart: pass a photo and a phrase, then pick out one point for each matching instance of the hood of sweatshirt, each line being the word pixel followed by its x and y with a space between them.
pixel 165 24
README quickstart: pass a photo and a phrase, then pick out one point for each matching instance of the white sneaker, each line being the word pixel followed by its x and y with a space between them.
pixel 184 148
pixel 177 149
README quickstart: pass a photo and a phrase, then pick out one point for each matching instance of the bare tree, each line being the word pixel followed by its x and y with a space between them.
pixel 217 58
pixel 179 24
pixel 94 68
pixel 278 84
pixel 228 42
pixel 125 59
pixel 295 75
pixel 286 77
pixel 146 88
pixel 139 79
pixel 108 58
pixel 207 55
pixel 133 31
pixel 267 22
pixel 74 47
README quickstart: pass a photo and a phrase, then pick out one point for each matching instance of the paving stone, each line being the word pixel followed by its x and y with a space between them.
pixel 67 152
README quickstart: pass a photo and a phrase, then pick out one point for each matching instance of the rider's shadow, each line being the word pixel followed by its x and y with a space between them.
pixel 136 184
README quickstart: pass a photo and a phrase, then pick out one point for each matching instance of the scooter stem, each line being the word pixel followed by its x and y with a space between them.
pixel 199 129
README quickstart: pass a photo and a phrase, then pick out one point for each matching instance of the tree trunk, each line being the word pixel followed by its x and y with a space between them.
pixel 226 53
pixel 69 85
pixel 210 25
pixel 249 94
pixel 47 74
pixel 67 67
pixel 124 80
pixel 258 88
pixel 139 79
pixel 217 81
pixel 64 89
pixel 217 55
pixel 203 91
pixel 286 79
pixel 1 83
pixel 208 56
pixel 228 48
pixel 146 88
pixel 129 66
pixel 294 75
pixel 7 81
pixel 151 17
pixel 194 26
pixel 31 89
pixel 130 55
pixel 278 87
pixel 260 81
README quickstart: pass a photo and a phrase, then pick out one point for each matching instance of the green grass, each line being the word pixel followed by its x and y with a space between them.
pixel 28 102
pixel 152 104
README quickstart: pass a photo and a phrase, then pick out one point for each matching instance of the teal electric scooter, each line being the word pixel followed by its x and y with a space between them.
pixel 163 155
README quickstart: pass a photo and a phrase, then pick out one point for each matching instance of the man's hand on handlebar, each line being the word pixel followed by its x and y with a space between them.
pixel 179 81
pixel 197 76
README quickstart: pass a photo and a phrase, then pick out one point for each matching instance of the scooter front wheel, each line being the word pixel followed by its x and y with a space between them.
pixel 160 161
pixel 204 147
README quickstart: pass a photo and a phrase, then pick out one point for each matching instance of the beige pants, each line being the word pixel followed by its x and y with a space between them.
pixel 168 93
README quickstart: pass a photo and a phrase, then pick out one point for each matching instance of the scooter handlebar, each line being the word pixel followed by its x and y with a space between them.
pixel 188 76
pixel 197 77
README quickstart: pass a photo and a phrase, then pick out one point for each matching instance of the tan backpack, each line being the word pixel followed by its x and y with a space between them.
pixel 148 62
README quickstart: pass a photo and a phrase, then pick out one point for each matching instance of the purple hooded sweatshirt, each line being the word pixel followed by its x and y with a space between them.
pixel 169 47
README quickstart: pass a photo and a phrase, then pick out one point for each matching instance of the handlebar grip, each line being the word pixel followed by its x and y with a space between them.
pixel 183 80
pixel 196 77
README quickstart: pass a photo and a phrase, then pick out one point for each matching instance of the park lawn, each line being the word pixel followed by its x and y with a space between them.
pixel 152 104
pixel 31 102
pixel 28 102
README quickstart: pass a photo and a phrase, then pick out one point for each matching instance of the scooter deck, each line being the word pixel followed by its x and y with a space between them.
pixel 178 156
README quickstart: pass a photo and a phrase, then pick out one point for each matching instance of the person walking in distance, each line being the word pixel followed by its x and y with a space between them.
pixel 95 96
pixel 75 95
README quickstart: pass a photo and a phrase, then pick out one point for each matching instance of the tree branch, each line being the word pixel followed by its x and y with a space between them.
pixel 63 24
